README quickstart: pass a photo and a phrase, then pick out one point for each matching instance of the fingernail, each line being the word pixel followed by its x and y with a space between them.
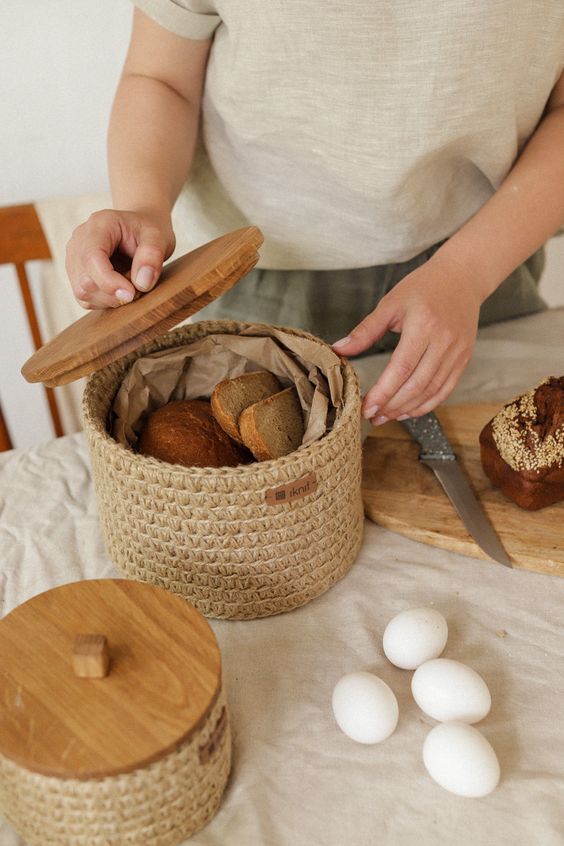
pixel 371 411
pixel 403 417
pixel 144 278
pixel 379 420
pixel 124 296
pixel 342 342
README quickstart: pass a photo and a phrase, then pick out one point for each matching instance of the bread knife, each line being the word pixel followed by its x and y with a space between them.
pixel 437 453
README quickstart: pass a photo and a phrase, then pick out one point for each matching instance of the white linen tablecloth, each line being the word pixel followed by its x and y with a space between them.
pixel 296 779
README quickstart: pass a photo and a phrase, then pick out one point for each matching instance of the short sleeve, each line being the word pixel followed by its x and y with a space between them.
pixel 195 19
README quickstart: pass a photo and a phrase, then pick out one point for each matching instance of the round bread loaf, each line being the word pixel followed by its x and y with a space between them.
pixel 186 432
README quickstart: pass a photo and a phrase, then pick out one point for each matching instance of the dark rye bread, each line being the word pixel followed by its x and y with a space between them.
pixel 522 447
pixel 186 432
pixel 232 396
pixel 274 426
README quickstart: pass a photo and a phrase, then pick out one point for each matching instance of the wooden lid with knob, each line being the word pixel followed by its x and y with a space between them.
pixel 185 286
pixel 153 674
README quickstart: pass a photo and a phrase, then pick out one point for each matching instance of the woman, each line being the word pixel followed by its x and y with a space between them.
pixel 404 162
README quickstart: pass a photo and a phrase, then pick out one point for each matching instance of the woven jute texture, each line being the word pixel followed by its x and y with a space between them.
pixel 158 805
pixel 208 534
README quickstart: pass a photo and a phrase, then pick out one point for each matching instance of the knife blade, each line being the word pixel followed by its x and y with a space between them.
pixel 437 454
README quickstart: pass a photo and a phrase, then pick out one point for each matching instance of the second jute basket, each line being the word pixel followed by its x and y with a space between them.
pixel 158 805
pixel 209 534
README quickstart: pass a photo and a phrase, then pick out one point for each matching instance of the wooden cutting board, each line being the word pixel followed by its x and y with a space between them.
pixel 403 495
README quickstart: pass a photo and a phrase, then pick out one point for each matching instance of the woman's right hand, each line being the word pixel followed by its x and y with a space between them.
pixel 144 238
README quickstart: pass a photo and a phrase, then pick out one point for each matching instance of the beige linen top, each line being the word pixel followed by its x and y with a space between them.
pixel 360 132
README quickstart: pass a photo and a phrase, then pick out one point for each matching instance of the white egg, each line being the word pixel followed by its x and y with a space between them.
pixel 449 690
pixel 461 760
pixel 415 636
pixel 365 707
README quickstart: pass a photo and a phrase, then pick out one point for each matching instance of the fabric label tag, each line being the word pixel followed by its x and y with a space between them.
pixel 207 750
pixel 293 490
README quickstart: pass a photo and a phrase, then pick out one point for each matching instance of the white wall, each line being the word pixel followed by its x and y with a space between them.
pixel 59 64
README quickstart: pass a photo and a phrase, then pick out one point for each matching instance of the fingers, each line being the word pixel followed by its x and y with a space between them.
pixel 95 281
pixel 367 332
pixel 111 287
pixel 435 309
pixel 150 254
pixel 442 357
pixel 403 363
pixel 441 386
pixel 410 401
pixel 390 405
pixel 437 398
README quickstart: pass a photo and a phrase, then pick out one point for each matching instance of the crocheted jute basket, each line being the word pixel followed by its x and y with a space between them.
pixel 209 534
pixel 160 803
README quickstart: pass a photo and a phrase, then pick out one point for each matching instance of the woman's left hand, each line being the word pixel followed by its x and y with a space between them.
pixel 436 310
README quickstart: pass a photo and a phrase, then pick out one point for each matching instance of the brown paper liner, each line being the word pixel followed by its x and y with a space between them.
pixel 193 370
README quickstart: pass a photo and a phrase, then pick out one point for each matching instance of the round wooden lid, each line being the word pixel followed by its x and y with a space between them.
pixel 185 286
pixel 164 677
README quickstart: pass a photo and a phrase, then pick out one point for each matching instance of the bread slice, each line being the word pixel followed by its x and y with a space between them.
pixel 274 426
pixel 230 397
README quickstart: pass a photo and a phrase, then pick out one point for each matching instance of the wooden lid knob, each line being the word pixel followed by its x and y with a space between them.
pixel 163 679
pixel 90 656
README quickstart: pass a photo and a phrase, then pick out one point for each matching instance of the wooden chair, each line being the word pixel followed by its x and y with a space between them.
pixel 21 240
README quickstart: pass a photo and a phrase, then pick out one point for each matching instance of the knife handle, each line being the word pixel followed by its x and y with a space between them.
pixel 428 433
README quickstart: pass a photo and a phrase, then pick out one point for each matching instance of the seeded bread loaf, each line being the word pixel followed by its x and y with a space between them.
pixel 232 396
pixel 522 447
pixel 274 426
pixel 186 432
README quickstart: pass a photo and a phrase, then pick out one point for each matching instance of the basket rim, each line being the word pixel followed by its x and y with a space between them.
pixel 95 424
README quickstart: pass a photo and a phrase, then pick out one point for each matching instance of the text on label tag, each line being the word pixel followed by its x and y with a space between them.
pixel 292 491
